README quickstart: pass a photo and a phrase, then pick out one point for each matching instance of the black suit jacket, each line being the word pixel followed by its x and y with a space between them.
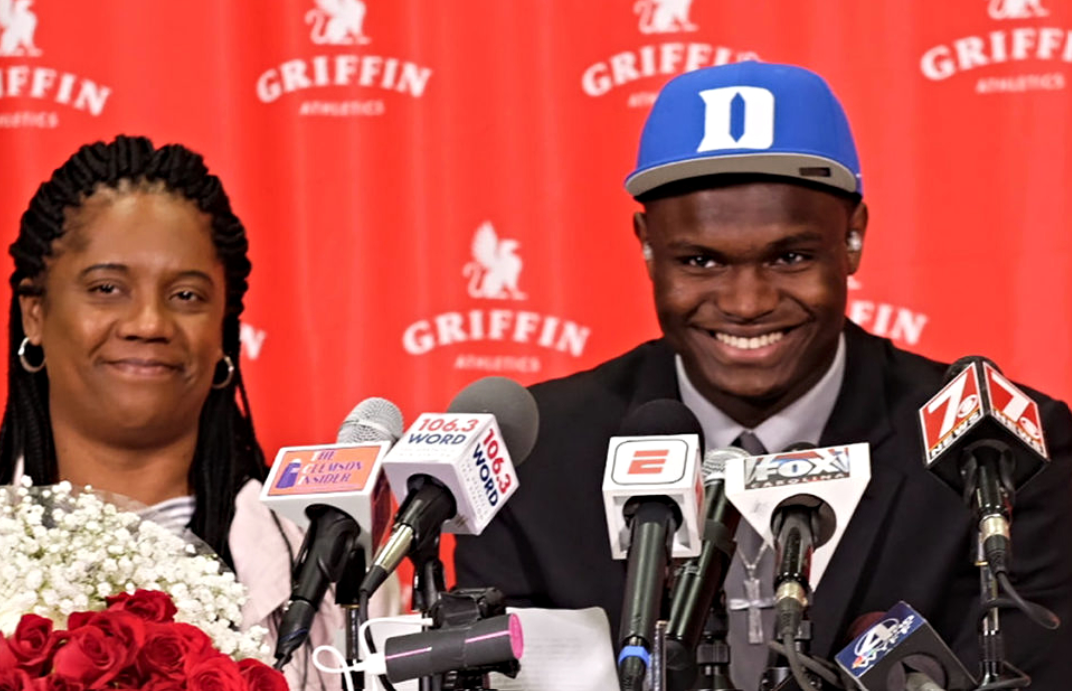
pixel 911 537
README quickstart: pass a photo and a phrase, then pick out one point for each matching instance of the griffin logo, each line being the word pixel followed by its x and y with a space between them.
pixel 1016 9
pixel 883 319
pixel 664 16
pixel 17 26
pixel 495 268
pixel 337 23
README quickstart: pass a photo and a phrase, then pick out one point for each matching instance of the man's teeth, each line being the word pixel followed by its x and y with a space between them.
pixel 750 343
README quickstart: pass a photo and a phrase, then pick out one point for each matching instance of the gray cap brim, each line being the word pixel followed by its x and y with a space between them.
pixel 816 169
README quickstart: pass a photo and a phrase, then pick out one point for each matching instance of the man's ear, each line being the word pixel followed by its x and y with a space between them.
pixel 32 308
pixel 640 229
pixel 854 239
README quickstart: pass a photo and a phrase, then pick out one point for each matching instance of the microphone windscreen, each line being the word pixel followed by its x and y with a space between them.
pixel 921 663
pixel 512 405
pixel 960 364
pixel 373 419
pixel 715 460
pixel 663 416
pixel 860 624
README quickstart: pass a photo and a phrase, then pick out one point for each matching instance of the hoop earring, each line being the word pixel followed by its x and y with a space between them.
pixel 32 369
pixel 230 374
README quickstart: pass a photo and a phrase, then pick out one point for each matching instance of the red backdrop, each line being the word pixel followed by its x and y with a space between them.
pixel 365 143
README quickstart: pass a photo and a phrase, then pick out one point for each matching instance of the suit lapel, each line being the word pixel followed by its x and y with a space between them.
pixel 860 414
pixel 656 377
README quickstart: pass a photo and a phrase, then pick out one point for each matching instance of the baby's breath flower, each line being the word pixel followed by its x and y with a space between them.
pixel 89 549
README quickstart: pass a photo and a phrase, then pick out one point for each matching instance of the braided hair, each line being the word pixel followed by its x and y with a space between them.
pixel 227 452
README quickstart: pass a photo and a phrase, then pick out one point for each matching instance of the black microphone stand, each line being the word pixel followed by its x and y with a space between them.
pixel 992 663
pixel 995 671
pixel 428 585
pixel 713 653
pixel 428 580
pixel 348 596
pixel 779 675
pixel 989 490
pixel 461 607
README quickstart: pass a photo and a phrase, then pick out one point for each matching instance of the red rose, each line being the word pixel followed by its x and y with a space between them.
pixel 15 679
pixel 129 678
pixel 261 677
pixel 163 684
pixel 7 656
pixel 151 605
pixel 127 627
pixel 56 683
pixel 79 619
pixel 196 642
pixel 217 673
pixel 30 646
pixel 164 652
pixel 90 656
pixel 102 646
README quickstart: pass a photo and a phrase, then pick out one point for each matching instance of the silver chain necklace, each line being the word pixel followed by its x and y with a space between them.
pixel 752 601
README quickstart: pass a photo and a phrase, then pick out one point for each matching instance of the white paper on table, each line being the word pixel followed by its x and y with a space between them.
pixel 565 650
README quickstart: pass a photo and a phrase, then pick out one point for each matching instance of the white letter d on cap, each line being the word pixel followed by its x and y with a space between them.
pixel 753 125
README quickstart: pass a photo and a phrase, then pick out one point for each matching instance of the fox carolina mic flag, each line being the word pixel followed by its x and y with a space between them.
pixel 434 191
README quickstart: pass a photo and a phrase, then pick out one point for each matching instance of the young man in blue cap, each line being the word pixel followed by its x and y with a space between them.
pixel 753 221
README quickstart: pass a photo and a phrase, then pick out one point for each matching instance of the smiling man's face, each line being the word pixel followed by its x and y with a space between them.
pixel 750 284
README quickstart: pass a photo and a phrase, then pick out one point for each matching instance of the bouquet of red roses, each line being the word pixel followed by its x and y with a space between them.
pixel 133 644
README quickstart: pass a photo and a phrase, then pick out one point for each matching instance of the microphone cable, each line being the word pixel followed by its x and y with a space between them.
pixel 363 604
pixel 798 662
pixel 1034 611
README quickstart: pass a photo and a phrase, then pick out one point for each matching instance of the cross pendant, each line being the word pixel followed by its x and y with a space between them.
pixel 753 603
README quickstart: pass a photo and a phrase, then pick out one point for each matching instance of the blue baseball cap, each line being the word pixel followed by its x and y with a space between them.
pixel 747 117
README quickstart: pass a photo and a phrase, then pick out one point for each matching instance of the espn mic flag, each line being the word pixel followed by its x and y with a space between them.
pixel 901 645
pixel 652 490
pixel 668 466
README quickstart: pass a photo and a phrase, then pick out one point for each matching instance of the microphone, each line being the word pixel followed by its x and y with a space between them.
pixel 917 681
pixel 800 501
pixel 983 437
pixel 700 580
pixel 333 491
pixel 453 472
pixel 482 644
pixel 902 652
pixel 373 419
pixel 651 494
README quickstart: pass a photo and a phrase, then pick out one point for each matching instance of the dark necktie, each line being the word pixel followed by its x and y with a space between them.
pixel 749 594
pixel 750 443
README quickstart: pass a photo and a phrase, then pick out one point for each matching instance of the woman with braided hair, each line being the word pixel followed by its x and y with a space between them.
pixel 124 373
